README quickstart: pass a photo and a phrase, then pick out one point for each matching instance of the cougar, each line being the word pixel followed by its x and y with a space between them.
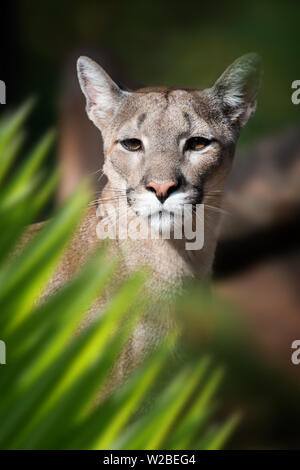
pixel 164 148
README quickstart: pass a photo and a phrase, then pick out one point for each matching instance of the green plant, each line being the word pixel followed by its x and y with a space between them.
pixel 52 376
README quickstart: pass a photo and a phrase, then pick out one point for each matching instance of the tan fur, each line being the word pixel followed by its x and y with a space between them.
pixel 163 119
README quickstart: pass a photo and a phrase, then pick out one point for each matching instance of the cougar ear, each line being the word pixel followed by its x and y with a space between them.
pixel 238 86
pixel 103 96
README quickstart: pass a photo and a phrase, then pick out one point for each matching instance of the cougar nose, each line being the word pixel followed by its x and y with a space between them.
pixel 163 190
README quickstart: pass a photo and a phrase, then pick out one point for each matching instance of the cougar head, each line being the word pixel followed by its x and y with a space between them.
pixel 167 147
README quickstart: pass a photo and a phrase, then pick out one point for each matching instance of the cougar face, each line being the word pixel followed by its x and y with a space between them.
pixel 167 147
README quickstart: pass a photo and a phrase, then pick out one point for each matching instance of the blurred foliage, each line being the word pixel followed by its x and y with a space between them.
pixel 264 391
pixel 53 376
pixel 163 43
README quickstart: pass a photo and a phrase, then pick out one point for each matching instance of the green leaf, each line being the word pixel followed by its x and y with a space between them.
pixel 17 185
pixel 217 438
pixel 29 272
pixel 197 413
pixel 9 154
pixel 14 219
pixel 11 125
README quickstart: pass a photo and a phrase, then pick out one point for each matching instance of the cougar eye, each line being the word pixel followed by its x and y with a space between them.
pixel 133 145
pixel 196 143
